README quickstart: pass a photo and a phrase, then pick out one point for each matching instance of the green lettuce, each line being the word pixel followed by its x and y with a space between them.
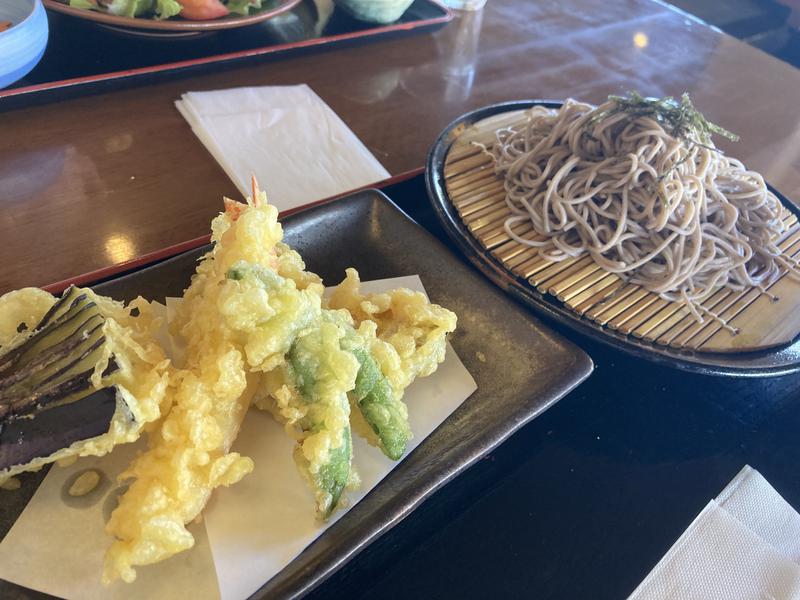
pixel 86 4
pixel 130 8
pixel 158 9
pixel 167 8
pixel 242 7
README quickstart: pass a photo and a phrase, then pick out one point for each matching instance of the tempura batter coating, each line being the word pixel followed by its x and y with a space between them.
pixel 141 378
pixel 415 328
pixel 406 335
pixel 233 330
pixel 309 395
pixel 24 308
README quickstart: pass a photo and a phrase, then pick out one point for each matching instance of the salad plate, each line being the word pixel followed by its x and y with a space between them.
pixel 176 25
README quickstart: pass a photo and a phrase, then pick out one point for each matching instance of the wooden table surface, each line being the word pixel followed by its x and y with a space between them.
pixel 95 181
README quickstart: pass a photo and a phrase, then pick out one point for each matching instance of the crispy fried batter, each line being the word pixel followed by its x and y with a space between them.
pixel 233 331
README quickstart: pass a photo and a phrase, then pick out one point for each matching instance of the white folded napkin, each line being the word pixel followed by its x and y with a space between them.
pixel 297 147
pixel 751 499
pixel 743 546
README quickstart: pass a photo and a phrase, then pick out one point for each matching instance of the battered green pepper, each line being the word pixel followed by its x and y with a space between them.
pixel 322 374
pixel 382 409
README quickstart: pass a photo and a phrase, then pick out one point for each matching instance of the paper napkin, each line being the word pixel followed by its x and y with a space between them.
pixel 297 147
pixel 249 532
pixel 742 546
pixel 753 501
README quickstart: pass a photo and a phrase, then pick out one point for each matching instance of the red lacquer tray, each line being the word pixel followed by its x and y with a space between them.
pixel 150 258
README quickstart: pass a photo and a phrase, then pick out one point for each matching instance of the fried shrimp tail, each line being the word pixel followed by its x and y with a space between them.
pixel 66 361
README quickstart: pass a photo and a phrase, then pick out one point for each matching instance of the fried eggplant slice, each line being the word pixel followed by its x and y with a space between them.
pixel 78 375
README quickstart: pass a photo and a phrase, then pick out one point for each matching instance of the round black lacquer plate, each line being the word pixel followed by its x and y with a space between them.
pixel 775 361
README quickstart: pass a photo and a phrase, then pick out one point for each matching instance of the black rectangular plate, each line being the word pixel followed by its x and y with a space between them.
pixel 526 368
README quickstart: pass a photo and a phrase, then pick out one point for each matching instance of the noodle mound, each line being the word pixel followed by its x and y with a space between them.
pixel 667 212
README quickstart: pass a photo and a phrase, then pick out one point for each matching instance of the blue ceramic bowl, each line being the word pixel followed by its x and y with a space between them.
pixel 21 46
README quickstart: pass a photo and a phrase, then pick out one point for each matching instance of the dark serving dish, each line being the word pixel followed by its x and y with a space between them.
pixel 84 57
pixel 522 369
pixel 779 361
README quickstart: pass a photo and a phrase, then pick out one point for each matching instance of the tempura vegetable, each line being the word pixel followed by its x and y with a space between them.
pixel 415 327
pixel 256 331
pixel 234 329
pixel 78 375
pixel 309 395
pixel 414 334
pixel 379 414
pixel 401 336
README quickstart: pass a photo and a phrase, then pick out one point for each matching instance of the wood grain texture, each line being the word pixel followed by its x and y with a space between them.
pixel 87 182
pixel 762 320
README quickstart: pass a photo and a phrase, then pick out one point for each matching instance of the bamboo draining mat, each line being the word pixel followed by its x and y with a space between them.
pixel 479 198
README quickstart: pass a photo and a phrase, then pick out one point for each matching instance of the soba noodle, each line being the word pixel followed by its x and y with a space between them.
pixel 671 214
